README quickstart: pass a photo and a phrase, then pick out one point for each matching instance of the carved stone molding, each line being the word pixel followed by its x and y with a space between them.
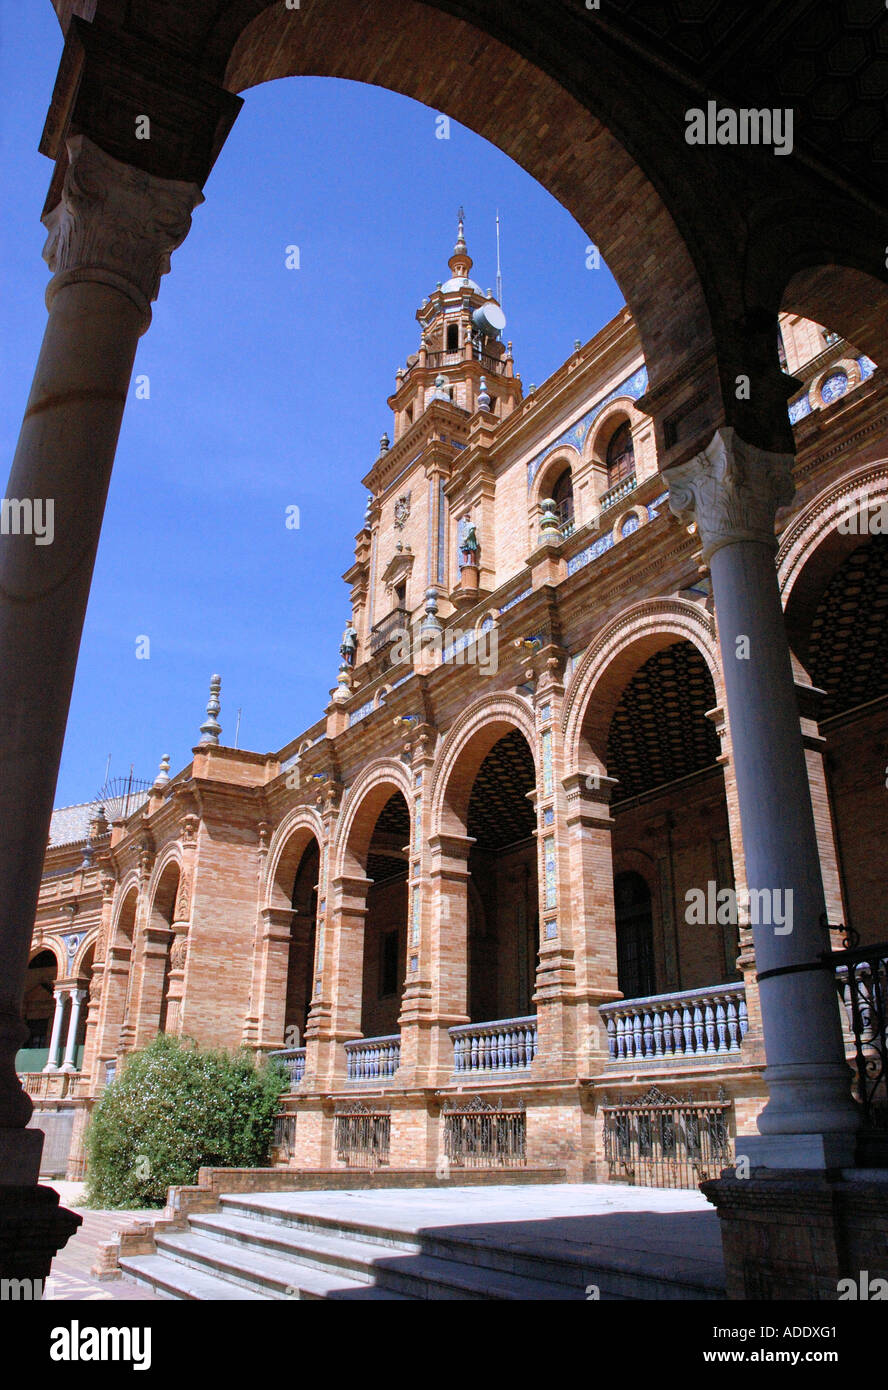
pixel 732 490
pixel 116 224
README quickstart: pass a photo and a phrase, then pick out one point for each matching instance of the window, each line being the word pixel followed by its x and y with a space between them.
pixel 563 495
pixel 388 964
pixel 401 595
pixel 620 455
pixel 635 947
pixel 452 337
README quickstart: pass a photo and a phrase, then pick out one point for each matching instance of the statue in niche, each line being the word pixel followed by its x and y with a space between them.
pixel 469 545
pixel 349 645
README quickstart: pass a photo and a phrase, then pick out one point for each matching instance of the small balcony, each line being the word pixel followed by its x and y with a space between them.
pixel 373 1059
pixel 620 490
pixel 387 630
pixel 505 1045
pixel 49 1085
pixel 693 1023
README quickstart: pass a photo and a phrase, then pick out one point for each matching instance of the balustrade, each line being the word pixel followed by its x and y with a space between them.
pixel 508 1044
pixel 692 1023
pixel 293 1059
pixel 373 1059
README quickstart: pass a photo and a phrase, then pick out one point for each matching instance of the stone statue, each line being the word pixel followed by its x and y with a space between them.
pixel 469 545
pixel 349 644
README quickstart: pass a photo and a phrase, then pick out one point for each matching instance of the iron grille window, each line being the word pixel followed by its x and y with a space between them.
pixel 284 1138
pixel 662 1141
pixel 363 1136
pixel 478 1135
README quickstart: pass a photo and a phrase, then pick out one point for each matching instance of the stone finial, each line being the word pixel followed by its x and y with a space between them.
pixel 483 395
pixel 577 344
pixel 431 622
pixel 343 684
pixel 163 773
pixel 384 443
pixel 368 510
pixel 211 728
pixel 549 523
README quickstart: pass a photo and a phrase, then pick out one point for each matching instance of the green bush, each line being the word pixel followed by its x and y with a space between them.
pixel 175 1108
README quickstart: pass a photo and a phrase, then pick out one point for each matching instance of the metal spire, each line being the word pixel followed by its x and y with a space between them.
pixel 499 277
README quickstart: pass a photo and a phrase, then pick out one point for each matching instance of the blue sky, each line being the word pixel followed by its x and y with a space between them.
pixel 268 389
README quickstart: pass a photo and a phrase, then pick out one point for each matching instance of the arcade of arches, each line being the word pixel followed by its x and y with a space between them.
pixel 500 852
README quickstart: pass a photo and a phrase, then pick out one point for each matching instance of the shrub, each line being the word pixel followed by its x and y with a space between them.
pixel 173 1109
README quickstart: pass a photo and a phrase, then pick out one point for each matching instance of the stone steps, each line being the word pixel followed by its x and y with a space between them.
pixel 277 1246
pixel 400 1267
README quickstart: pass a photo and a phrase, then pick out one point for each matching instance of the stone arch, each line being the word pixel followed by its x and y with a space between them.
pixel 123 922
pixel 161 876
pixel 582 169
pixel 815 528
pixel 565 456
pixel 53 945
pixel 365 799
pixel 89 943
pixel 842 295
pixel 613 657
pixel 288 844
pixel 467 743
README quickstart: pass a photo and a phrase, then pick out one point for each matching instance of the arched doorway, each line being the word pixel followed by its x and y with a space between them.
pixel 635 935
pixel 38 1009
pixel 837 619
pixel 154 1004
pixel 303 934
pixel 503 895
pixel 385 932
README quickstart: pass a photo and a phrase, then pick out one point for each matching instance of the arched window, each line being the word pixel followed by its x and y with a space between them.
pixel 620 455
pixel 562 492
pixel 635 946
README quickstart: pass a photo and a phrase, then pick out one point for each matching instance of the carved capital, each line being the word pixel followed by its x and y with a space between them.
pixel 732 490
pixel 116 224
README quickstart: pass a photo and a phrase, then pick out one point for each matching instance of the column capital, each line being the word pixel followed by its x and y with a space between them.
pixel 116 224
pixel 732 490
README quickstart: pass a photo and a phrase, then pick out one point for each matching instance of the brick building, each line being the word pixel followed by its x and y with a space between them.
pixel 484 905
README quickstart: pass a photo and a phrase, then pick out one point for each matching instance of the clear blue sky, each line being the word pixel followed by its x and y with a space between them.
pixel 268 389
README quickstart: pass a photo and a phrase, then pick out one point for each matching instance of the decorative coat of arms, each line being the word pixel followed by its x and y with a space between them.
pixel 402 511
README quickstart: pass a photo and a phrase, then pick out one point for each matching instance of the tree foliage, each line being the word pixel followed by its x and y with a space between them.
pixel 175 1108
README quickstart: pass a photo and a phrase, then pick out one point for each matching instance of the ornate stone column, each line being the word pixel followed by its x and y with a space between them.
pixel 59 995
pixel 732 491
pixel 109 243
pixel 77 998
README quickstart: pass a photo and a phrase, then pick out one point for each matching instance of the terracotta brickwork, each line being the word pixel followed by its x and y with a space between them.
pixel 375 877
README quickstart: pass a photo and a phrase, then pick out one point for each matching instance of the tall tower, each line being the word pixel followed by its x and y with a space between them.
pixel 409 546
pixel 460 341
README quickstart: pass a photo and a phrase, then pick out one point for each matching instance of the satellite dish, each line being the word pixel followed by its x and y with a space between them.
pixel 489 320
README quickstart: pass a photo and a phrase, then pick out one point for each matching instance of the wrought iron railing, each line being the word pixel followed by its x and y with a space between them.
pixel 293 1061
pixel 862 982
pixel 480 1135
pixel 698 1022
pixel 659 1140
pixel 373 1059
pixel 363 1136
pixel 283 1141
pixel 387 630
pixel 507 1044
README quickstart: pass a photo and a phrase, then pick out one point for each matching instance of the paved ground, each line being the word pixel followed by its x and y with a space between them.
pixel 70 1277
pixel 678 1227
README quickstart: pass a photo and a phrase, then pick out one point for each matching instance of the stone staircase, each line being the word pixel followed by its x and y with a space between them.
pixel 274 1246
